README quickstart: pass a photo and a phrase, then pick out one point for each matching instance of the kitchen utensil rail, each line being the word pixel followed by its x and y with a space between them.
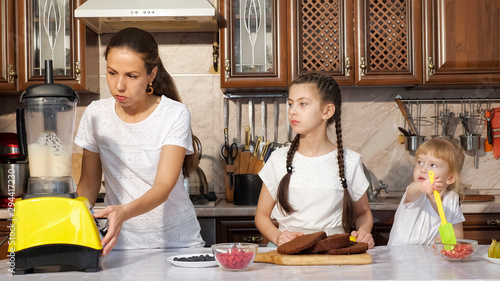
pixel 449 99
pixel 234 96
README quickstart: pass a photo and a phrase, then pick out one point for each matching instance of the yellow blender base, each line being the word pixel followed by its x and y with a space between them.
pixel 54 231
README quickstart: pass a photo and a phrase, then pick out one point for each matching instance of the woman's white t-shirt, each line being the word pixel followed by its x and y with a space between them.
pixel 315 191
pixel 130 153
pixel 417 223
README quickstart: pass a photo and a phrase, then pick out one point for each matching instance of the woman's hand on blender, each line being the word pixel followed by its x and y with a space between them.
pixel 116 215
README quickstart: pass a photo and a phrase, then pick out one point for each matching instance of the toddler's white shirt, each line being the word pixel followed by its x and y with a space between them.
pixel 417 223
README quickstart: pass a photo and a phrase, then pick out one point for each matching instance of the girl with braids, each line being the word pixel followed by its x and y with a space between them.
pixel 141 140
pixel 314 185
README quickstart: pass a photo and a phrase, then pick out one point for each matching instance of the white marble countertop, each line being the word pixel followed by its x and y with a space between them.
pixel 389 263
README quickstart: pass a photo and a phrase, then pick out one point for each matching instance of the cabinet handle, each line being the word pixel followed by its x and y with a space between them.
pixel 255 238
pixel 430 66
pixel 227 68
pixel 78 71
pixel 362 66
pixel 12 74
pixel 493 222
pixel 215 55
pixel 348 66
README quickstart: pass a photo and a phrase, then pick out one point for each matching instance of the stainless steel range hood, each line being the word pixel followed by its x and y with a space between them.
pixel 109 16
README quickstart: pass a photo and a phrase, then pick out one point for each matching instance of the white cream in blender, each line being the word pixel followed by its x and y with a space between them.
pixel 43 162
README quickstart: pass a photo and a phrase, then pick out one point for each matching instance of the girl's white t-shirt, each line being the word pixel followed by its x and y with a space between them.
pixel 315 191
pixel 130 153
pixel 417 223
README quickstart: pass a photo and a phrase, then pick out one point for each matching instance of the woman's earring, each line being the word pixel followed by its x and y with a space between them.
pixel 149 89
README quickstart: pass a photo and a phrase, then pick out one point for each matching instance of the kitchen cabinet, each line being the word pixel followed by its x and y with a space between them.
pixel 253 44
pixel 239 229
pixel 382 224
pixel 361 42
pixel 462 41
pixel 4 240
pixel 358 42
pixel 482 227
pixel 38 30
pixel 7 50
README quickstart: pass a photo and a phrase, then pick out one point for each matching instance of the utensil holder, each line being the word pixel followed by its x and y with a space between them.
pixel 470 142
pixel 413 142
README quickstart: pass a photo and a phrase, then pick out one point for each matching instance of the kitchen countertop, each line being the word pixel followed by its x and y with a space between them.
pixel 224 209
pixel 389 263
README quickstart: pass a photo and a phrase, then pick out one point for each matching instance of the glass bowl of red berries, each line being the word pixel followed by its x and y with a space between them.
pixel 235 256
pixel 462 251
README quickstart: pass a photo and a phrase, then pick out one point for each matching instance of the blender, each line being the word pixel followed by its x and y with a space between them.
pixel 53 226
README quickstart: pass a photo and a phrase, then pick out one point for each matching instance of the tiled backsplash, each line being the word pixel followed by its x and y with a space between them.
pixel 370 116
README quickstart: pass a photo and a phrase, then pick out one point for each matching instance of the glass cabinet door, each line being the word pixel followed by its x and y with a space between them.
pixel 49 32
pixel 50 38
pixel 253 42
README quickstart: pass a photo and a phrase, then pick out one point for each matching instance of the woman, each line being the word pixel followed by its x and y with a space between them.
pixel 141 140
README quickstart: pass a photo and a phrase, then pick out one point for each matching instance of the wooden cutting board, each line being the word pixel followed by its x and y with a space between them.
pixel 274 257
pixel 478 198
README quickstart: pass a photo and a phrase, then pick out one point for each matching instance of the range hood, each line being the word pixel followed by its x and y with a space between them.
pixel 110 16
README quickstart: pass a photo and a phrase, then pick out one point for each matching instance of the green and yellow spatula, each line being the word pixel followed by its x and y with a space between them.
pixel 446 229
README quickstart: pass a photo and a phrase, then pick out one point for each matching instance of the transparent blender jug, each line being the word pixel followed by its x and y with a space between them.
pixel 49 118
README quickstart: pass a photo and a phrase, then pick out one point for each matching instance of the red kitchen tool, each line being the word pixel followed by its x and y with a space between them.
pixel 446 229
pixel 495 127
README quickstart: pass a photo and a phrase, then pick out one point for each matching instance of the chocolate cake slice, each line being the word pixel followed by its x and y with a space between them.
pixel 354 248
pixel 300 243
pixel 335 241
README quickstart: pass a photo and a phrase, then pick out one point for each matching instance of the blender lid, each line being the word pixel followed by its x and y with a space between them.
pixel 49 89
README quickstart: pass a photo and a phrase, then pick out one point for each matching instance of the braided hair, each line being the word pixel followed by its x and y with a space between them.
pixel 329 91
pixel 143 43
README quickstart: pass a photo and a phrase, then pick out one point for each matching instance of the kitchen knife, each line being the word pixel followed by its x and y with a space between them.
pixel 245 155
pixel 260 162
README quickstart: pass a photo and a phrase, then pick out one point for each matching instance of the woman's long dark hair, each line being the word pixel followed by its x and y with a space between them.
pixel 143 43
pixel 329 91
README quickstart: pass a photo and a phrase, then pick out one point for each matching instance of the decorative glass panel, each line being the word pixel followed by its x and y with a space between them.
pixel 50 37
pixel 253 35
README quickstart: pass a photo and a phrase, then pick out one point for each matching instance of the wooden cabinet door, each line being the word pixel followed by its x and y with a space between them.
pixel 253 44
pixel 321 38
pixel 388 42
pixel 482 227
pixel 462 41
pixel 240 229
pixel 4 239
pixel 382 225
pixel 48 30
pixel 8 69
